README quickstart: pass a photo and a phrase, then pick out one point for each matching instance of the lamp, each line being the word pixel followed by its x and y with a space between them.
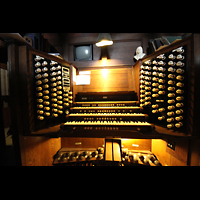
pixel 104 39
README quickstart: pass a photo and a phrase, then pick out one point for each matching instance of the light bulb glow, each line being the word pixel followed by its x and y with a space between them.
pixel 104 43
pixel 104 61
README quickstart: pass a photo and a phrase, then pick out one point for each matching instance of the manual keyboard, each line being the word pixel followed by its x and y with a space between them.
pixel 106 118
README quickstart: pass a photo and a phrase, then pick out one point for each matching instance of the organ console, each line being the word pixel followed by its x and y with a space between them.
pixel 163 103
pixel 163 97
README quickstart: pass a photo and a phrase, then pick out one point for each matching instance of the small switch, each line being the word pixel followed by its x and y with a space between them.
pixel 171 145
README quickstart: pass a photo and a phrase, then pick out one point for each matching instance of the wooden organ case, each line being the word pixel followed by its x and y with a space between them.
pixel 165 102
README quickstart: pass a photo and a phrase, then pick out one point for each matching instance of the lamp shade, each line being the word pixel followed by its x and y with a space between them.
pixel 104 39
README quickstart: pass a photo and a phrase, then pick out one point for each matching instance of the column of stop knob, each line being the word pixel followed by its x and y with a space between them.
pixel 158 86
pixel 42 87
pixel 175 88
pixel 56 89
pixel 145 84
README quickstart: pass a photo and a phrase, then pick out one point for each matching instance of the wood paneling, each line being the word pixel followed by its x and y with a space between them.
pixel 169 157
pixel 195 152
pixel 136 144
pixel 82 142
pixel 135 76
pixel 56 40
pixel 14 91
pixel 124 49
pixel 39 151
pixel 103 80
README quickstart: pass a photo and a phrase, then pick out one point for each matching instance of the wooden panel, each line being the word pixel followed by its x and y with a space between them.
pixel 136 74
pixel 39 151
pixel 169 157
pixel 23 76
pixel 159 149
pixel 109 80
pixel 103 80
pixel 123 50
pixel 82 142
pixel 181 151
pixel 15 107
pixel 196 93
pixel 136 144
pixel 195 152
